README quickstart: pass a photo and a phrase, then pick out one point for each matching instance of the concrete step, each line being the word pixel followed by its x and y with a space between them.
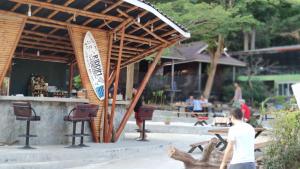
pixel 174 127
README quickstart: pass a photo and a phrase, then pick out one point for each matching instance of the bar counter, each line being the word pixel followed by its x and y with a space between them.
pixel 50 130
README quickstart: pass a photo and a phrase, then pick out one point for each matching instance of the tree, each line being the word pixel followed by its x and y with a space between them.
pixel 210 21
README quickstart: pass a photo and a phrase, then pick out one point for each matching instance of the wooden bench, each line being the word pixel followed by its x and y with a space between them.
pixel 198 145
pixel 201 120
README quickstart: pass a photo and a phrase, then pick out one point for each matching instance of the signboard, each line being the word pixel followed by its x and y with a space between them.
pixel 93 65
pixel 296 91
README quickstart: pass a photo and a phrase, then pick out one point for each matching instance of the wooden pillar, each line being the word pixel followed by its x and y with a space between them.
pixel 116 84
pixel 172 82
pixel 107 86
pixel 138 94
pixel 11 28
pixel 102 39
pixel 200 77
pixel 129 81
pixel 233 73
pixel 71 74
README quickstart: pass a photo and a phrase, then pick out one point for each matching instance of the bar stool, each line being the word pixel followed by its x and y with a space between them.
pixel 81 113
pixel 23 111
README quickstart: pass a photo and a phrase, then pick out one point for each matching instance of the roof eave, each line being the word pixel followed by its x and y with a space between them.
pixel 159 15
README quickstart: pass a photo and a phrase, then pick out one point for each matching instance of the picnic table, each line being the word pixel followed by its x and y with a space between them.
pixel 219 132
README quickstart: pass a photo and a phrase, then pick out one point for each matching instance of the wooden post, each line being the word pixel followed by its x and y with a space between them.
pixel 11 28
pixel 71 74
pixel 200 77
pixel 233 73
pixel 105 130
pixel 118 68
pixel 138 94
pixel 172 81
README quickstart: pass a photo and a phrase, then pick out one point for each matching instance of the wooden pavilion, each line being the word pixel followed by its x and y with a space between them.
pixel 126 31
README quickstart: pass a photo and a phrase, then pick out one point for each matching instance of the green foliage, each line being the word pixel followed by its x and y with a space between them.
pixel 77 82
pixel 207 20
pixel 258 94
pixel 284 152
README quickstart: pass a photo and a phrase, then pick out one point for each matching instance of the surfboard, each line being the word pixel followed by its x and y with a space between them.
pixel 93 65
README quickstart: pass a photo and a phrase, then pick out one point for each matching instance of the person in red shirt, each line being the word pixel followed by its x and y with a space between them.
pixel 246 111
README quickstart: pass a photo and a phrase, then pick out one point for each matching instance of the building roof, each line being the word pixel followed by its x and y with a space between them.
pixel 196 52
pixel 277 49
pixel 147 28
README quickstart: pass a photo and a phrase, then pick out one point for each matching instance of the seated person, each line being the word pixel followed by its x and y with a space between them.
pixel 246 111
pixel 204 103
pixel 189 103
pixel 197 105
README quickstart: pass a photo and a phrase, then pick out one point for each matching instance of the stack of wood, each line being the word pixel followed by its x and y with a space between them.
pixel 211 157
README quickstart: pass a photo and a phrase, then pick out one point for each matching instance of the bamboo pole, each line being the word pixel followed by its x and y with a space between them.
pixel 139 93
pixel 118 67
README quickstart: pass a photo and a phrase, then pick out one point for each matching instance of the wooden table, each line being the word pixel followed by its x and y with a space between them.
pixel 223 131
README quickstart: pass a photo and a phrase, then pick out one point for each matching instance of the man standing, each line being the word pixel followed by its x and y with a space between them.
pixel 237 95
pixel 240 139
pixel 139 122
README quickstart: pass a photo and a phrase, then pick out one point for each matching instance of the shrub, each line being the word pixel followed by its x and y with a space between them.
pixel 284 152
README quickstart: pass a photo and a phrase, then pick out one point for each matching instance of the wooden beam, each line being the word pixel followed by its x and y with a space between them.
pixel 127 52
pixel 44 48
pixel 139 93
pixel 69 10
pixel 169 33
pixel 119 15
pixel 107 71
pixel 63 25
pixel 50 25
pixel 147 24
pixel 45 45
pixel 143 27
pixel 113 106
pixel 149 52
pixel 41 39
pixel 46 58
pixel 70 18
pixel 15 7
pixel 47 35
pixel 114 5
pixel 129 48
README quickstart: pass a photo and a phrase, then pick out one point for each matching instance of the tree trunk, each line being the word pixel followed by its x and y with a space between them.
pixel 215 56
pixel 253 38
pixel 211 158
pixel 246 41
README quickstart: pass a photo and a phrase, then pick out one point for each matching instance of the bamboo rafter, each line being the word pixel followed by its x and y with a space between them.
pixel 143 27
pixel 68 10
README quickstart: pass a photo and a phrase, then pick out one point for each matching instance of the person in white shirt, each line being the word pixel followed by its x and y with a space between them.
pixel 241 137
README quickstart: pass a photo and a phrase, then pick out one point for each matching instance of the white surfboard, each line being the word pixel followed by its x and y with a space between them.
pixel 93 65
